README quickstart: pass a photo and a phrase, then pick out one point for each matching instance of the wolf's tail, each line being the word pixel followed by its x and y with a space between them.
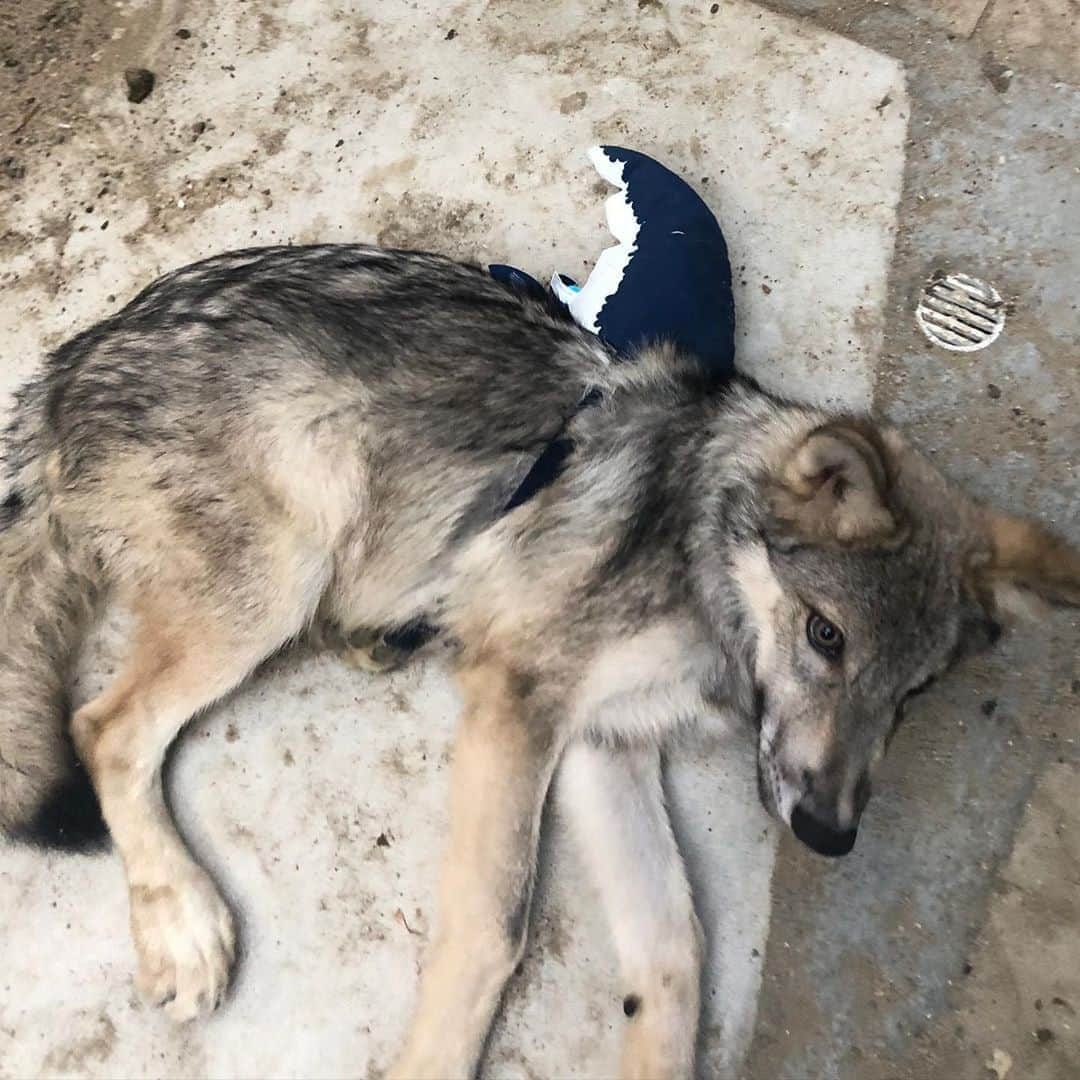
pixel 47 591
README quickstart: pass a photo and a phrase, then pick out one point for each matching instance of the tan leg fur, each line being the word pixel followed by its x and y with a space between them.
pixel 183 931
pixel 504 757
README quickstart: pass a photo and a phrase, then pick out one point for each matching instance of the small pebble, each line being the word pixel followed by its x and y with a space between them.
pixel 140 82
pixel 183 33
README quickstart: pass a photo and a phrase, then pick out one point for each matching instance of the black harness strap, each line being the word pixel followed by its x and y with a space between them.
pixel 546 469
pixel 549 466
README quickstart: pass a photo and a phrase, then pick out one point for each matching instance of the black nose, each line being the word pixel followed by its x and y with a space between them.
pixel 824 839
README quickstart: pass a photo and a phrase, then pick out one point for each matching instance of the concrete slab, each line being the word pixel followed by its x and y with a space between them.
pixel 316 794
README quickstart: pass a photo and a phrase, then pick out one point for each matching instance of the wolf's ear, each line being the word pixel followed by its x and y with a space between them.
pixel 1026 562
pixel 834 488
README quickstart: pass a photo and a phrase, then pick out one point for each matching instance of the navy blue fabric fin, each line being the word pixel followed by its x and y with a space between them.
pixel 677 285
pixel 526 285
pixel 519 281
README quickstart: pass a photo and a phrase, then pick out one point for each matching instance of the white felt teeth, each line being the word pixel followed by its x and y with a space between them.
pixel 585 304
pixel 566 293
pixel 610 169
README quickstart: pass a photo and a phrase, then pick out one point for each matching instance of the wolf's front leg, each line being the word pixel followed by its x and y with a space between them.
pixel 504 756
pixel 613 802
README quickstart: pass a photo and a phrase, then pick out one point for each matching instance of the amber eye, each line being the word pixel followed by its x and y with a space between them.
pixel 825 636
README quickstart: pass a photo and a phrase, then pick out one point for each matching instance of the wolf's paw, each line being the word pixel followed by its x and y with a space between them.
pixel 185 940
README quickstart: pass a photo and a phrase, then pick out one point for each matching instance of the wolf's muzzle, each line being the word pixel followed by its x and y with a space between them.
pixel 820 837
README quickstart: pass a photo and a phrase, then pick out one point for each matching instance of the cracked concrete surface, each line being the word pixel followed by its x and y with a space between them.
pixel 849 149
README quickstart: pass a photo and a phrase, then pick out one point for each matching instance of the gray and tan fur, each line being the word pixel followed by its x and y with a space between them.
pixel 276 441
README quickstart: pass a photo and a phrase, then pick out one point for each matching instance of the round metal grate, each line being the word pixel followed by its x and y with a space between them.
pixel 960 312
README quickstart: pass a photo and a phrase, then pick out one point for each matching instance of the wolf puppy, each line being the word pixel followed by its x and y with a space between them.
pixel 295 438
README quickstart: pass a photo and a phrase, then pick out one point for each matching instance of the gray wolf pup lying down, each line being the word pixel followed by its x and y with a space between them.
pixel 324 439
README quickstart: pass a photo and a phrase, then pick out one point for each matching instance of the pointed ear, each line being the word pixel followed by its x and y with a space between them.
pixel 1027 562
pixel 834 488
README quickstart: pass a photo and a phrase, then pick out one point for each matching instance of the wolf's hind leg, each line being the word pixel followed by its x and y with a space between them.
pixel 180 662
pixel 613 802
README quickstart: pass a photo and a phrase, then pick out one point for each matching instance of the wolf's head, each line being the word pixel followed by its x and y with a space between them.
pixel 871 577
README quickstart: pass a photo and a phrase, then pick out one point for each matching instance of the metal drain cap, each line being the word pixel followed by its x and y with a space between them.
pixel 961 313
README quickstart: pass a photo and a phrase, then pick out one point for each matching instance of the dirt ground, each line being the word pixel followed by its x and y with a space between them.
pixel 976 974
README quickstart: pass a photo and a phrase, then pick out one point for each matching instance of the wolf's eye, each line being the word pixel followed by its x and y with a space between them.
pixel 826 637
